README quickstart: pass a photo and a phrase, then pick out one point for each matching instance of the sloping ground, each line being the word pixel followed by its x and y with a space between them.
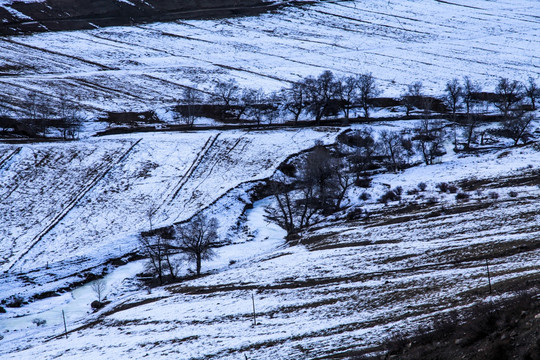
pixel 146 67
pixel 344 288
pixel 68 207
pixel 53 15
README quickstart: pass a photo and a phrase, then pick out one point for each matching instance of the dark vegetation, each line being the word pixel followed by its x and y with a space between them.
pixel 322 100
pixel 489 330
pixel 194 240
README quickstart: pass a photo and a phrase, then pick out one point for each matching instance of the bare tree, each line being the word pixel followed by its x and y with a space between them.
pixel 189 106
pixel 454 91
pixel 318 170
pixel 197 238
pixel 255 104
pixel 39 113
pixel 159 248
pixel 154 249
pixel 273 107
pixel 99 287
pixel 227 94
pixel 518 128
pixel 343 182
pixel 532 91
pixel 469 126
pixel 412 96
pixel 429 136
pixel 367 91
pixel 294 208
pixel 321 95
pixel 508 93
pixel 396 148
pixel 347 91
pixel 365 146
pixel 470 91
pixel 295 99
pixel 69 120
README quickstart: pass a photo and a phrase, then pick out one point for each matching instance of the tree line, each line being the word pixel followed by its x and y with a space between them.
pixel 310 98
pixel 44 115
pixel 327 95
pixel 318 97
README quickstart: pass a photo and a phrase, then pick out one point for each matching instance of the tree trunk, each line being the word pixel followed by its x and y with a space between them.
pixel 198 264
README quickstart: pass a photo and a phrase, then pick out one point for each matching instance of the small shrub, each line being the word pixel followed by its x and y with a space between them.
pixel 413 192
pixel 422 186
pixel 39 322
pixel 15 301
pixel 2 310
pixel 365 196
pixel 463 196
pixel 96 305
pixel 513 194
pixel 363 182
pixel 232 262
pixel 354 213
pixel 493 195
pixel 288 169
pixel 432 200
pixel 399 191
pixel 443 187
pixel 452 188
pixel 391 195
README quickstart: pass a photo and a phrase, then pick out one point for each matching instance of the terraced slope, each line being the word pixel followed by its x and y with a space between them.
pixel 343 289
pixel 72 206
pixel 146 67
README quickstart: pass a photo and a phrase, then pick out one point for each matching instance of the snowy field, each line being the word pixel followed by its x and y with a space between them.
pixel 145 67
pixel 343 288
pixel 68 207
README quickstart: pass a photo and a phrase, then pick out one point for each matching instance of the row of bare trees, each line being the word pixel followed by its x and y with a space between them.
pixel 508 95
pixel 44 115
pixel 167 248
pixel 320 97
pixel 329 95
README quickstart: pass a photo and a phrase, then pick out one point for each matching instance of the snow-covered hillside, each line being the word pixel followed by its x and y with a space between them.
pixel 70 206
pixel 344 288
pixel 146 66
pixel 72 211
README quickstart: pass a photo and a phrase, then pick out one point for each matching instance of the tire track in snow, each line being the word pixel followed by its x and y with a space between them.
pixel 194 165
pixel 9 157
pixel 37 238
pixel 105 89
pixel 371 23
pixel 217 157
pixel 173 54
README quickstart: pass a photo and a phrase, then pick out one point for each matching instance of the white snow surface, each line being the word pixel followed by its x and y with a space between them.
pixel 345 286
pixel 70 206
pixel 399 42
